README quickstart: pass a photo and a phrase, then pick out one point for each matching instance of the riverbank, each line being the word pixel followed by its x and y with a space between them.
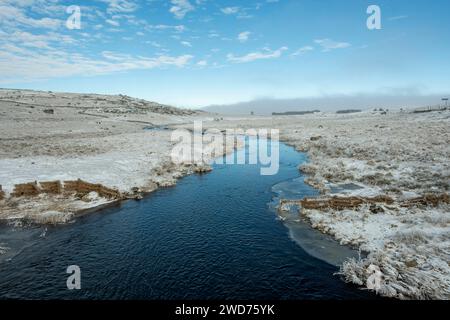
pixel 398 156
pixel 405 158
pixel 61 154
pixel 213 236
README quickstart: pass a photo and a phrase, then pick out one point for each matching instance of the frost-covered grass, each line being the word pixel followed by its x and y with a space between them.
pixel 401 155
pixel 95 138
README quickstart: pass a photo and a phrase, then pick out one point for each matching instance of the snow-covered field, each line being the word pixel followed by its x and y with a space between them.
pixel 101 139
pixel 98 139
pixel 400 155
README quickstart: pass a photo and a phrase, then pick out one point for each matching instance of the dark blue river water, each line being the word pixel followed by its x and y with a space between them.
pixel 212 236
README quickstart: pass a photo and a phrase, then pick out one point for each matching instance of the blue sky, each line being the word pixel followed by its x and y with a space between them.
pixel 195 53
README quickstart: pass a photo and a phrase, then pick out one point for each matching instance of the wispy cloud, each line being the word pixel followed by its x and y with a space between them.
pixel 154 44
pixel 239 12
pixel 260 55
pixel 18 64
pixel 243 36
pixel 115 6
pixel 36 41
pixel 328 44
pixel 11 16
pixel 230 10
pixel 303 50
pixel 114 23
pixel 397 18
pixel 177 28
pixel 180 8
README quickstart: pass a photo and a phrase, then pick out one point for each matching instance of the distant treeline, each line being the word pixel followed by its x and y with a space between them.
pixel 293 113
pixel 430 109
pixel 348 111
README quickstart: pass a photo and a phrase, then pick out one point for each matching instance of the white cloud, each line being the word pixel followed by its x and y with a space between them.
pixel 328 45
pixel 177 28
pixel 115 6
pixel 243 36
pixel 186 43
pixel 397 18
pixel 37 41
pixel 180 8
pixel 213 34
pixel 48 8
pixel 30 49
pixel 13 17
pixel 239 12
pixel 115 56
pixel 202 63
pixel 154 44
pixel 303 50
pixel 265 54
pixel 113 22
pixel 18 64
pixel 230 10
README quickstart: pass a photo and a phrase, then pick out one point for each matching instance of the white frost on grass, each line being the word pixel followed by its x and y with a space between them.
pixel 98 139
pixel 401 155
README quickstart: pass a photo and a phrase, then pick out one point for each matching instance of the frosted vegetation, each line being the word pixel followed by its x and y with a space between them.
pixel 400 156
pixel 403 156
pixel 117 142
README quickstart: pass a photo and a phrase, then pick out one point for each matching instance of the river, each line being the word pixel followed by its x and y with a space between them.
pixel 213 236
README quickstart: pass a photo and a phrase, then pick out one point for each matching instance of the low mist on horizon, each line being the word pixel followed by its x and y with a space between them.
pixel 264 106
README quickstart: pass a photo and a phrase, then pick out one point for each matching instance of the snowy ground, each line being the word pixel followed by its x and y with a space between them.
pixel 401 155
pixel 98 139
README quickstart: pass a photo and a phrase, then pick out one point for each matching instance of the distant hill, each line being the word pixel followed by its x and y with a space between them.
pixel 117 104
